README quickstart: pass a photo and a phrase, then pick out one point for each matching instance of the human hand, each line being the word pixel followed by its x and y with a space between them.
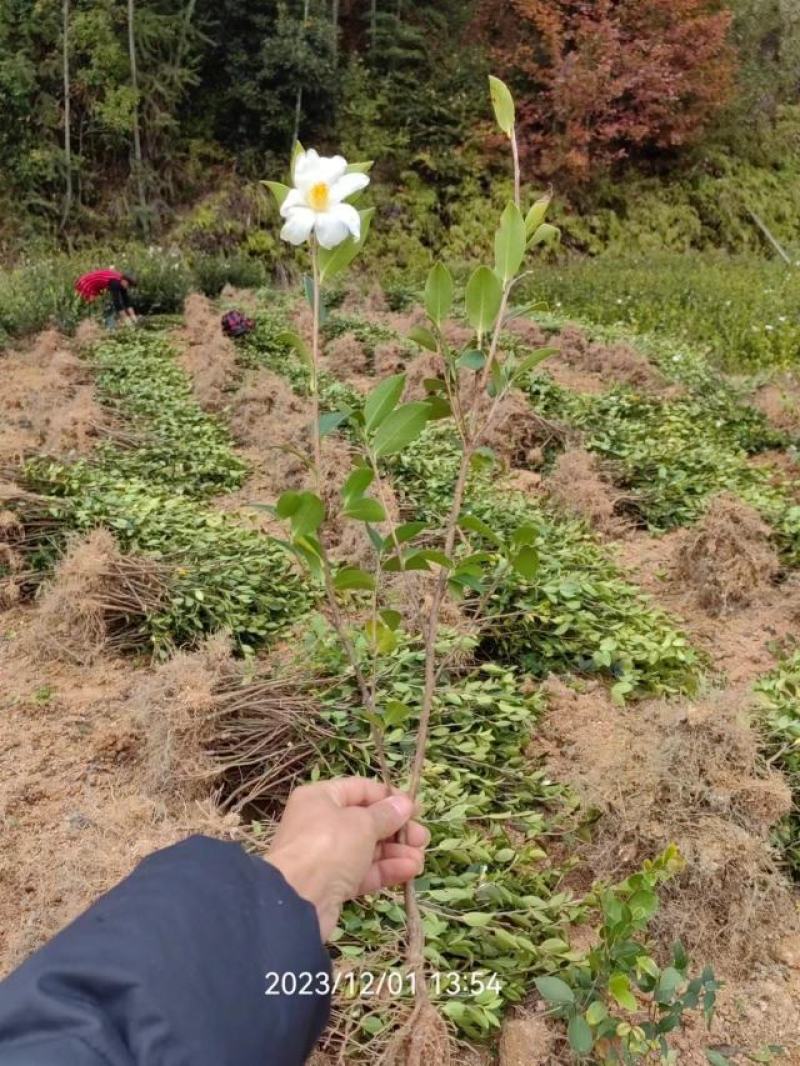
pixel 335 842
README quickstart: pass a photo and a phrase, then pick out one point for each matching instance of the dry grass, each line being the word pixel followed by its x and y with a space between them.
pixel 727 558
pixel 578 486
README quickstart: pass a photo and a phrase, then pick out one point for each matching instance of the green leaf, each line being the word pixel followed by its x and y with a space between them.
pixel 620 988
pixel 391 618
pixel 396 713
pixel 351 577
pixel 483 298
pixel 547 235
pixel 402 427
pixel 365 509
pixel 503 104
pixel 509 243
pixel 382 400
pixel 407 531
pixel 438 293
pixel 579 1035
pixel 309 515
pixel 532 359
pixel 438 407
pixel 526 562
pixel 334 260
pixel 471 360
pixel 295 341
pixel 357 482
pixel 668 984
pixel 287 504
pixel 360 168
pixel 476 525
pixel 525 534
pixel 424 338
pixel 476 919
pixel 596 1013
pixel 278 190
pixel 554 990
pixel 381 637
pixel 535 217
pixel 331 420
pixel 716 1059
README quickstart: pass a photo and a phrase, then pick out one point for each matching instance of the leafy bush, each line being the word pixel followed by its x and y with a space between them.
pixel 213 272
pixel 780 718
pixel 742 311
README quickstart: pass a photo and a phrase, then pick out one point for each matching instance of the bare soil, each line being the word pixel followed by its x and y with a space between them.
pixel 779 400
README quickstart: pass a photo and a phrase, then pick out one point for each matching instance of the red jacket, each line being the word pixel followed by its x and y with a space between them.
pixel 90 285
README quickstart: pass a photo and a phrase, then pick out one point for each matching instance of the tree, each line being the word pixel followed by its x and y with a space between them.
pixel 138 162
pixel 602 80
pixel 67 128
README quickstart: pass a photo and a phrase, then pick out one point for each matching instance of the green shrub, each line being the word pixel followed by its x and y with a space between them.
pixel 780 719
pixel 211 273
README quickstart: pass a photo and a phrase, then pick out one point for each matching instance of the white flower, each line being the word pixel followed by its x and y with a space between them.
pixel 316 203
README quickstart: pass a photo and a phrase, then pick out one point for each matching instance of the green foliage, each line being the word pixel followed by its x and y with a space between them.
pixel 490 899
pixel 739 310
pixel 780 720
pixel 180 447
pixel 577 614
pixel 617 1002
pixel 222 575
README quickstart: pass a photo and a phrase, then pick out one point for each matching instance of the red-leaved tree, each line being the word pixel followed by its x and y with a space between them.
pixel 599 80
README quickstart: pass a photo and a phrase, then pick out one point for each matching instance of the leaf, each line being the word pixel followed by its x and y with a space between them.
pixel 334 260
pixel 381 637
pixel 360 168
pixel 331 420
pixel 509 243
pixel 471 360
pixel 580 1035
pixel 716 1059
pixel 407 531
pixel 535 217
pixel 424 338
pixel 596 1013
pixel 438 293
pixel 309 515
pixel 483 298
pixel 547 235
pixel 438 407
pixel 365 509
pixel 476 525
pixel 278 190
pixel 383 400
pixel 396 712
pixel 351 577
pixel 391 618
pixel 532 359
pixel 620 988
pixel 287 504
pixel 524 534
pixel 357 482
pixel 402 427
pixel 554 990
pixel 668 984
pixel 476 919
pixel 503 104
pixel 295 341
pixel 526 562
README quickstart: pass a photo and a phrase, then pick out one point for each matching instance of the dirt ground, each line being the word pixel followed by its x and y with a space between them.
pixel 82 747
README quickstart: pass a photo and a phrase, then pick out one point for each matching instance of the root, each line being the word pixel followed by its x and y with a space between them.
pixel 421 1040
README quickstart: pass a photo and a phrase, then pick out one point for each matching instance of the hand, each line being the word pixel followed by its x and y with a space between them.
pixel 334 843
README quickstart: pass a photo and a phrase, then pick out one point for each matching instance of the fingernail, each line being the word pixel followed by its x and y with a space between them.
pixel 403 806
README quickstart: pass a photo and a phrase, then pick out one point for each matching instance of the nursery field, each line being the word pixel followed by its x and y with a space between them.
pixel 612 779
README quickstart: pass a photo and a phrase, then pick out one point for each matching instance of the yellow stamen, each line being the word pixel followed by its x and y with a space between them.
pixel 319 196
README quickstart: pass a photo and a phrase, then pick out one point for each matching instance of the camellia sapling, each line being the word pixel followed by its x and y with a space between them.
pixel 465 557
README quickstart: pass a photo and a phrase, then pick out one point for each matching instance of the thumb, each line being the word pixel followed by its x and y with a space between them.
pixel 390 815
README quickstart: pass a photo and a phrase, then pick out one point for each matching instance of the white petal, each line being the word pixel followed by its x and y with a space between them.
pixel 347 213
pixel 347 185
pixel 330 229
pixel 294 198
pixel 316 169
pixel 298 225
pixel 305 161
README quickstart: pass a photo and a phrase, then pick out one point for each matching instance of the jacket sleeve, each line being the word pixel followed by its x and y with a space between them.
pixel 171 967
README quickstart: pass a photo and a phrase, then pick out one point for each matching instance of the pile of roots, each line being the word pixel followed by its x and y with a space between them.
pixel 727 559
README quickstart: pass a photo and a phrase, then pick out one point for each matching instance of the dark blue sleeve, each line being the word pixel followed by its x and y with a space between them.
pixel 168 969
